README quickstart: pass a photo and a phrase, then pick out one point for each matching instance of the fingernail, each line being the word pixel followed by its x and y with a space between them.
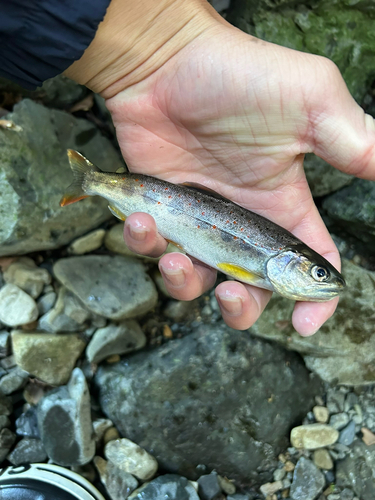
pixel 176 277
pixel 231 305
pixel 138 232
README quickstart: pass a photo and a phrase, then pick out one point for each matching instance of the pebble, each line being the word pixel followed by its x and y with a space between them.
pixel 279 474
pixel 268 489
pixel 4 343
pixel 209 487
pixel 46 302
pixel 7 439
pixel 322 459
pixel 321 414
pixel 100 426
pixel 6 406
pixel 119 484
pixel 110 435
pixel 339 421
pixel 131 458
pixel 226 485
pixel 347 494
pixel 16 306
pixel 308 481
pixel 28 450
pixel 13 381
pixel 368 437
pixel 313 436
pixel 114 287
pixel 8 362
pixel 335 401
pixel 4 422
pixel 88 243
pixel 351 401
pixel 347 435
pixel 64 420
pixel 114 242
pixel 47 356
pixel 177 309
pixel 115 339
pixel 334 496
pixel 27 424
pixel 169 486
pixel 26 275
pixel 238 496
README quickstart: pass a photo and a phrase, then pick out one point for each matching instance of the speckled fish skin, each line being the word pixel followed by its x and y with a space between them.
pixel 221 234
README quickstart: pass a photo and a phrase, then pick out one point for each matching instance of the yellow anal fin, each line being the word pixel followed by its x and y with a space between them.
pixel 175 244
pixel 238 272
pixel 116 212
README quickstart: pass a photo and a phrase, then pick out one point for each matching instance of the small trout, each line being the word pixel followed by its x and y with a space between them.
pixel 216 231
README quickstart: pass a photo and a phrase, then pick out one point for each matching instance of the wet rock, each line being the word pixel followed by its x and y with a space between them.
pixel 322 459
pixel 324 179
pixel 4 422
pixel 64 421
pixel 308 481
pixel 88 243
pixel 121 338
pixel 185 384
pixel 4 343
pixel 311 437
pixel 16 307
pixel 26 275
pixel 28 451
pixel 13 381
pixel 119 484
pixel 169 486
pixel 100 426
pixel 339 421
pixel 6 405
pixel 178 309
pixel 347 494
pixel 115 287
pixel 46 302
pixel 343 350
pixel 209 487
pixel 131 458
pixel 49 357
pixel 269 489
pixel 8 362
pixel 226 485
pixel 347 435
pixel 321 414
pixel 357 471
pixel 7 439
pixel 27 424
pixel 238 496
pixel 35 173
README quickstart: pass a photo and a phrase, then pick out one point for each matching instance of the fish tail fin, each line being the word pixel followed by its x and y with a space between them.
pixel 80 166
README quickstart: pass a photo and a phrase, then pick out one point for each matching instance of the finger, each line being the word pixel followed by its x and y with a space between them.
pixel 141 235
pixel 241 305
pixel 183 279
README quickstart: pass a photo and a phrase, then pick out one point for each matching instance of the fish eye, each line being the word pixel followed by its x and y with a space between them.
pixel 320 273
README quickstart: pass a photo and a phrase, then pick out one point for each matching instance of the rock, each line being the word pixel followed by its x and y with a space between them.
pixel 46 302
pixel 178 309
pixel 226 485
pixel 16 307
pixel 115 339
pixel 279 474
pixel 26 275
pixel 238 496
pixel 347 435
pixel 4 422
pixel 321 414
pixel 311 437
pixel 119 484
pixel 60 92
pixel 13 381
pixel 68 314
pixel 209 487
pixel 64 421
pixel 8 362
pixel 269 489
pixel 49 357
pixel 4 343
pixel 347 494
pixel 324 179
pixel 343 350
pixel 35 173
pixel 100 426
pixel 27 424
pixel 115 287
pixel 131 458
pixel 357 471
pixel 168 486
pixel 88 243
pixel 233 390
pixel 308 481
pixel 28 451
pixel 110 435
pixel 6 406
pixel 7 439
pixel 322 459
pixel 339 421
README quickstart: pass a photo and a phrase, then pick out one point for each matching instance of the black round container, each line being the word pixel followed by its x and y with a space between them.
pixel 44 482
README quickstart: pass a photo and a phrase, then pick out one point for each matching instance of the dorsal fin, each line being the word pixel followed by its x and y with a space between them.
pixel 203 189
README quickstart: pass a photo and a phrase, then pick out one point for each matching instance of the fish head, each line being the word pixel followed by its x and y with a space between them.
pixel 299 273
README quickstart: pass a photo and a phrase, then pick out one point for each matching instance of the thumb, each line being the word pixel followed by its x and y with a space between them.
pixel 343 134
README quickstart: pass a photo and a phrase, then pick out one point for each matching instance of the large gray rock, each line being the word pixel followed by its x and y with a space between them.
pixel 115 287
pixel 35 172
pixel 216 397
pixel 65 426
pixel 343 350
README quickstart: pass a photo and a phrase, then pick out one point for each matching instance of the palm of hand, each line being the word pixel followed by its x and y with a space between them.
pixel 237 118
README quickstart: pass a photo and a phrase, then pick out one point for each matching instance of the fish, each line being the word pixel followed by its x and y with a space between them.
pixel 214 230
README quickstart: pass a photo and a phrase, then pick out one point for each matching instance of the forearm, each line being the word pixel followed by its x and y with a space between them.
pixel 136 38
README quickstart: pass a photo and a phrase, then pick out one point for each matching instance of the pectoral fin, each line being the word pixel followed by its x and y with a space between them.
pixel 239 273
pixel 116 212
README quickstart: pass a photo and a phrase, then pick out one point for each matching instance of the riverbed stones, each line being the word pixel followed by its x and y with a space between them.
pixel 313 436
pixel 116 287
pixel 322 459
pixel 64 420
pixel 209 487
pixel 49 357
pixel 131 458
pixel 27 451
pixel 87 243
pixel 118 483
pixel 120 338
pixel 308 481
pixel 14 380
pixel 168 486
pixel 35 173
pixel 347 434
pixel 27 424
pixel 16 306
pixel 25 274
pixel 7 439
pixel 235 391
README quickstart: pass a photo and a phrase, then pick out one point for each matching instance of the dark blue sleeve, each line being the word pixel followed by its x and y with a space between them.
pixel 39 39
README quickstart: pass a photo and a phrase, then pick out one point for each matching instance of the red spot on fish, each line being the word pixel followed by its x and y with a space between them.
pixel 230 212
pixel 123 178
pixel 169 196
pixel 154 190
pixel 234 222
pixel 166 189
pixel 198 201
pixel 198 227
pixel 179 196
pixel 202 213
pixel 213 227
pixel 227 221
pixel 141 185
pixel 159 203
pixel 136 180
pixel 280 248
pixel 241 228
pixel 234 237
pixel 189 204
pixel 256 244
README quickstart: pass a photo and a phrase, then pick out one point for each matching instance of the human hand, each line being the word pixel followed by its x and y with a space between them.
pixel 237 114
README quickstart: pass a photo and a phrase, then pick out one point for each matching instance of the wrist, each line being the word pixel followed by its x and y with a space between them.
pixel 136 38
